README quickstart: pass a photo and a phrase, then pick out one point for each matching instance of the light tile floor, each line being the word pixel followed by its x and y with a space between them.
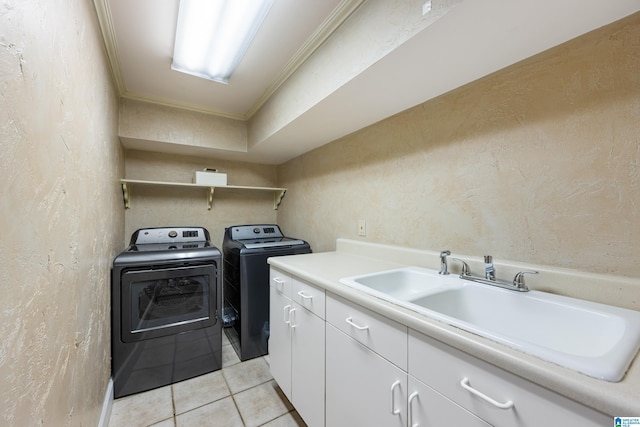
pixel 241 394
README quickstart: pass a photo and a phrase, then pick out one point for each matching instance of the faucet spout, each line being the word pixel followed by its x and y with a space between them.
pixel 443 262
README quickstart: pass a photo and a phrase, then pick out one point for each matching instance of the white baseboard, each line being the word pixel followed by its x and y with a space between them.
pixel 106 405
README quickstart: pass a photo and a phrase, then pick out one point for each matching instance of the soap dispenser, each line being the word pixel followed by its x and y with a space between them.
pixel 489 271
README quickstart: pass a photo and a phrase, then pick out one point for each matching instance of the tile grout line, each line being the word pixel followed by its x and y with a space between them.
pixel 250 388
pixel 233 398
pixel 231 394
pixel 173 404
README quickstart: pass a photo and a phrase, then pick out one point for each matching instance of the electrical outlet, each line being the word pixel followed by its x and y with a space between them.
pixel 362 227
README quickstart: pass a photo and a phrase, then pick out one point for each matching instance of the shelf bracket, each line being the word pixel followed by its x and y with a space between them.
pixel 210 198
pixel 277 198
pixel 125 195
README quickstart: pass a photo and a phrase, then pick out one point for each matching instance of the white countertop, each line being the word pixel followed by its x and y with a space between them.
pixel 355 258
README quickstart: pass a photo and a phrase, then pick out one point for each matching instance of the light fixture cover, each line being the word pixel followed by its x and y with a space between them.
pixel 212 36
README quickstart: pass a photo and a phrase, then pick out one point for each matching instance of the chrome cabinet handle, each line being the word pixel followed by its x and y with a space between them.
pixel 465 385
pixel 394 411
pixel 411 398
pixel 285 312
pixel 303 295
pixel 349 320
pixel 278 281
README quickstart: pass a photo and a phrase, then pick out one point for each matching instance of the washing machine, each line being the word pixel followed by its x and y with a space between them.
pixel 246 283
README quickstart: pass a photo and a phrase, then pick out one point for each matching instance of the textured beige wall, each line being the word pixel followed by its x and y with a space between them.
pixel 168 206
pixel 537 163
pixel 61 212
pixel 153 122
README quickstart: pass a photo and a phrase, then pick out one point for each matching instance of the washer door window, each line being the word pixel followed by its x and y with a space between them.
pixel 167 301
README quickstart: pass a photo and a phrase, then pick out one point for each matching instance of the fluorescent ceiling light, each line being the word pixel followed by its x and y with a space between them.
pixel 212 36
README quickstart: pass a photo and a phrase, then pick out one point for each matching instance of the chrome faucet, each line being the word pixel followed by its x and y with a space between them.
pixel 443 262
pixel 465 271
pixel 518 281
pixel 516 285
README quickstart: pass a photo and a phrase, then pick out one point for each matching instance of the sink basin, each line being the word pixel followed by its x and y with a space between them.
pixel 401 285
pixel 595 339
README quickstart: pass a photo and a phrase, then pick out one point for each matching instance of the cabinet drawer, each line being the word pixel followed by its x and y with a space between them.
pixel 427 407
pixel 308 296
pixel 523 403
pixel 382 335
pixel 282 282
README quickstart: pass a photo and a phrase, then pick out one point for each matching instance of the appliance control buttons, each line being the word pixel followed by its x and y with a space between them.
pixel 256 230
pixel 173 233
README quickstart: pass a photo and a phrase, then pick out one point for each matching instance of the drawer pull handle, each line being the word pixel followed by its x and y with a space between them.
pixel 303 295
pixel 278 281
pixel 465 385
pixel 349 320
pixel 286 319
pixel 411 398
pixel 394 411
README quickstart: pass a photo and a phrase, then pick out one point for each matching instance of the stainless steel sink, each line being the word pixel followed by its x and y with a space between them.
pixel 596 339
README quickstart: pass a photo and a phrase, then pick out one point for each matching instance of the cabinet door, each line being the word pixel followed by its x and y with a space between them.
pixel 363 389
pixel 280 340
pixel 497 396
pixel 307 365
pixel 428 408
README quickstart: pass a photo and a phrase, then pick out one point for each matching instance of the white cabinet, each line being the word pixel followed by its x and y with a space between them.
pixel 378 372
pixel 297 344
pixel 381 334
pixel 364 387
pixel 498 397
pixel 280 340
pixel 367 381
pixel 307 365
pixel 428 408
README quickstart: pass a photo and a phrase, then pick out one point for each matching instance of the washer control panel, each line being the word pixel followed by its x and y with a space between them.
pixel 146 236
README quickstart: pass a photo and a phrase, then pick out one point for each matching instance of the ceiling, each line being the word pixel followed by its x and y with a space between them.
pixel 140 36
pixel 472 40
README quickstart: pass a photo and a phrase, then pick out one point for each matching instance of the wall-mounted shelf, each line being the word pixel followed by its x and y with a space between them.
pixel 278 193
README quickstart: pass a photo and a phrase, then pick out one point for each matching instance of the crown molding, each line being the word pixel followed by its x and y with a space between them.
pixel 322 33
pixel 108 35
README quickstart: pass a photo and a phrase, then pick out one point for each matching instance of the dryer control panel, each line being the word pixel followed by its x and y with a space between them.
pixel 146 236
